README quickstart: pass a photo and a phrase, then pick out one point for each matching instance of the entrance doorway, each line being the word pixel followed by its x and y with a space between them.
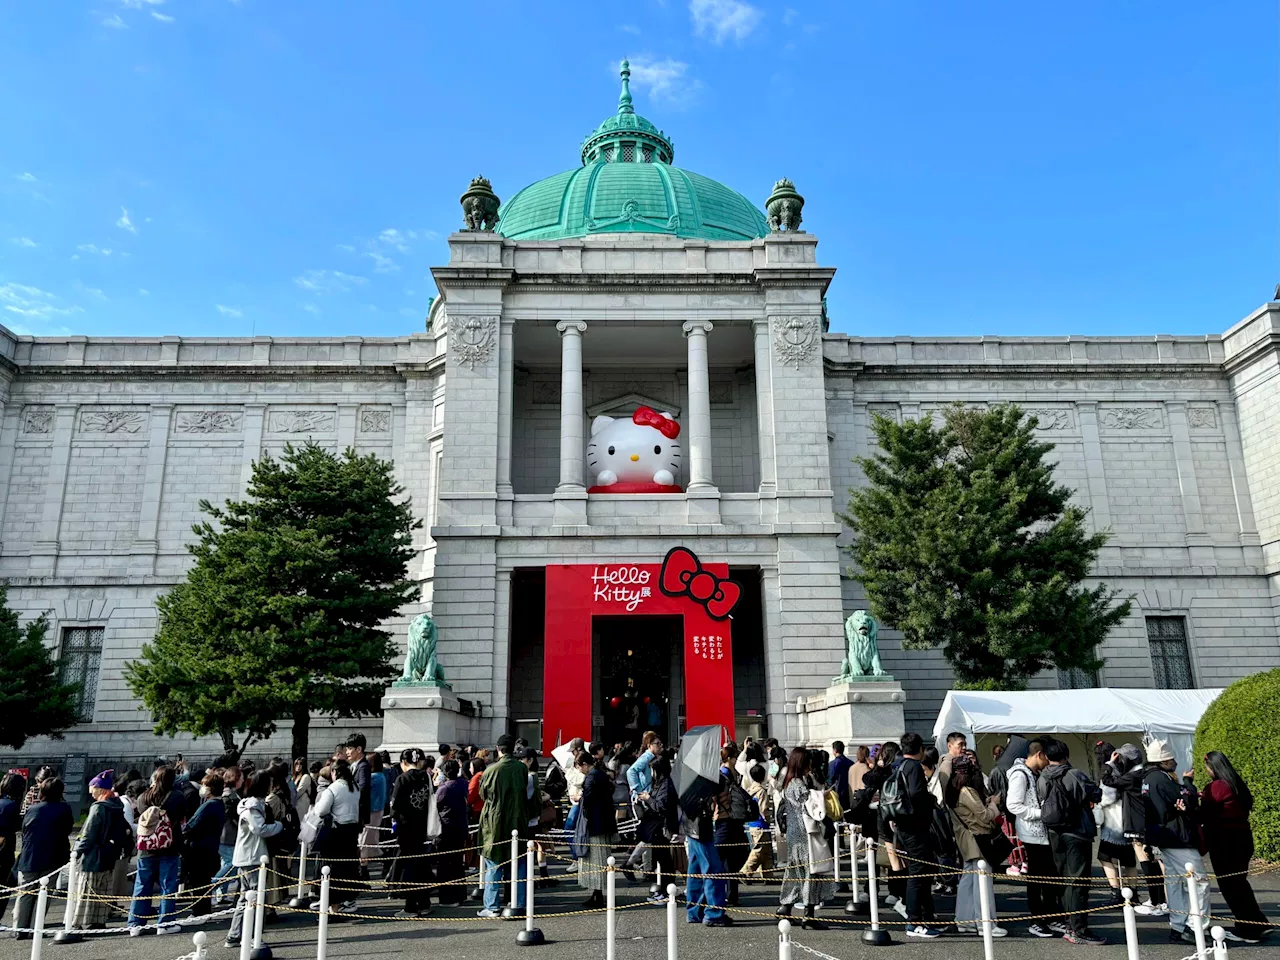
pixel 638 682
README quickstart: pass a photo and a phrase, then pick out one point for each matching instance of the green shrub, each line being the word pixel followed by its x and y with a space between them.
pixel 1242 724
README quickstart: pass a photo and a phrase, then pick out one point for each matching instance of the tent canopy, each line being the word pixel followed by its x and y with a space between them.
pixel 1167 714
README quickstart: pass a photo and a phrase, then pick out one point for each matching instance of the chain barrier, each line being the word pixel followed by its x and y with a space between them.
pixel 812 952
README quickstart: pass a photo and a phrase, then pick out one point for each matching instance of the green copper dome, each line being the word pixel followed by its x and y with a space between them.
pixel 628 185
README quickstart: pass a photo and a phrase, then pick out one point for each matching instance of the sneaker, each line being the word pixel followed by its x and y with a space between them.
pixel 657 898
pixel 1181 936
pixel 900 908
pixel 1150 909
pixel 1044 933
pixel 136 931
pixel 1235 938
pixel 231 944
pixel 406 914
pixel 1086 939
pixel 487 914
pixel 890 900
pixel 923 932
pixel 721 921
pixel 1060 928
pixel 167 928
pixel 966 929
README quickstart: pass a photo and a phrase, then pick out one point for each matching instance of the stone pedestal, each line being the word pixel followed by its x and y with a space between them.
pixel 424 716
pixel 854 711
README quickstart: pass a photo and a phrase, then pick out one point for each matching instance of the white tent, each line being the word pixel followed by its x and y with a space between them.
pixel 1165 714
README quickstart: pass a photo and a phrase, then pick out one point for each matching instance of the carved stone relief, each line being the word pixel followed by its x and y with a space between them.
pixel 1202 418
pixel 471 339
pixel 721 391
pixel 302 421
pixel 546 391
pixel 796 339
pixel 37 420
pixel 208 421
pixel 375 419
pixel 1131 418
pixel 112 421
pixel 1059 419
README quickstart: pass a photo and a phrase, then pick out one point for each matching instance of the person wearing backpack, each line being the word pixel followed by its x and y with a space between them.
pixel 160 844
pixel 203 831
pixel 1172 810
pixel 731 816
pixel 252 831
pixel 1044 898
pixel 1066 798
pixel 103 839
pixel 640 782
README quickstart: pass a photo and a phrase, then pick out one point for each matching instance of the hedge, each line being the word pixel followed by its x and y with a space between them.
pixel 1243 724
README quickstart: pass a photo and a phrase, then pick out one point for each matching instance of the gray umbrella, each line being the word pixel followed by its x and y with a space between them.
pixel 697 772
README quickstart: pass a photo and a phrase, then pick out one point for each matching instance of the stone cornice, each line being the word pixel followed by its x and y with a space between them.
pixel 606 282
pixel 222 372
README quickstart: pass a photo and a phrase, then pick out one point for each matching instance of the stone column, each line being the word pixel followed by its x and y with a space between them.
pixel 506 413
pixel 44 555
pixel 10 411
pixel 571 407
pixel 764 408
pixel 142 555
pixel 1197 540
pixel 1248 532
pixel 253 416
pixel 1099 507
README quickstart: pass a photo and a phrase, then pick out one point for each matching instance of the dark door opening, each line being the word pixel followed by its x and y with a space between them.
pixel 638 669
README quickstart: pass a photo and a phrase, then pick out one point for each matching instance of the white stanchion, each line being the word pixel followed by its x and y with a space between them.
pixel 855 904
pixel 322 935
pixel 672 926
pixel 509 912
pixel 299 900
pixel 42 907
pixel 200 942
pixel 1194 910
pixel 530 936
pixel 1130 925
pixel 65 935
pixel 246 927
pixel 984 906
pixel 784 940
pixel 260 950
pixel 610 916
pixel 1219 943
pixel 875 936
pixel 835 857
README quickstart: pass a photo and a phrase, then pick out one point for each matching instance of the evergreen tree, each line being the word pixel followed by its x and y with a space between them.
pixel 963 541
pixel 279 617
pixel 33 702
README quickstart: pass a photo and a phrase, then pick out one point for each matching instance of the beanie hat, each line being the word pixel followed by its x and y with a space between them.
pixel 104 781
pixel 1158 751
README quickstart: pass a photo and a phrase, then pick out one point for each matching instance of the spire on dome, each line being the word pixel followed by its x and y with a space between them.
pixel 624 99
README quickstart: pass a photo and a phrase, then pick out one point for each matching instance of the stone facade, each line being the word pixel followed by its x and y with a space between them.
pixel 107 446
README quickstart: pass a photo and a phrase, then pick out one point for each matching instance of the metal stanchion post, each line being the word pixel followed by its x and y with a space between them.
pixel 298 899
pixel 1219 943
pixel 322 937
pixel 530 936
pixel 509 911
pixel 855 904
pixel 1195 909
pixel 985 911
pixel 260 950
pixel 784 940
pixel 246 927
pixel 42 907
pixel 610 917
pixel 65 935
pixel 1130 924
pixel 671 921
pixel 656 888
pixel 835 858
pixel 875 936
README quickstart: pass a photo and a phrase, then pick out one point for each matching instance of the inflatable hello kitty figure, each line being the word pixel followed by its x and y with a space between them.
pixel 640 455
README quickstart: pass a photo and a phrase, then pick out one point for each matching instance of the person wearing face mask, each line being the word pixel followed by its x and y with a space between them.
pixel 201 859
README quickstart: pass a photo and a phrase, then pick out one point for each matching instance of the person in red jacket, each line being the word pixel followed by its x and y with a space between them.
pixel 1225 804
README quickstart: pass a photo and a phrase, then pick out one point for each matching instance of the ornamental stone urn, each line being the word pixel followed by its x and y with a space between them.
pixel 480 206
pixel 783 206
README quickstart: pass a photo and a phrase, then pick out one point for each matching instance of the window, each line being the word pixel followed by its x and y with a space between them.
pixel 628 153
pixel 79 663
pixel 1076 678
pixel 1170 659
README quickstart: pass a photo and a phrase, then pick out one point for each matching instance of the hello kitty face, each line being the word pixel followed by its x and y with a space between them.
pixel 644 449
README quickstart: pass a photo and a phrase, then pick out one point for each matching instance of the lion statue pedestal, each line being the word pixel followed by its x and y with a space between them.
pixel 864 704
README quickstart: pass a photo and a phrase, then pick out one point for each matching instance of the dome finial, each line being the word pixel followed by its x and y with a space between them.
pixel 624 99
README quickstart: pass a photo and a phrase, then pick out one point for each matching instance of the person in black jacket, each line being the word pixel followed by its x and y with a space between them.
pixel 1071 837
pixel 203 833
pixel 232 784
pixel 1125 774
pixel 602 831
pixel 1171 808
pixel 104 838
pixel 46 830
pixel 12 787
pixel 913 839
pixel 412 798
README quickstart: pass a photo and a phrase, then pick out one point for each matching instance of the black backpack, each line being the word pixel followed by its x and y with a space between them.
pixel 286 841
pixel 555 784
pixel 119 840
pixel 894 801
pixel 1059 810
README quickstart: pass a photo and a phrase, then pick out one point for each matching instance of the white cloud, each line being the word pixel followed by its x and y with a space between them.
pixel 95 292
pixel 665 79
pixel 328 281
pixel 32 302
pixel 382 263
pixel 26 177
pixel 114 22
pixel 396 239
pixel 163 18
pixel 144 292
pixel 630 28
pixel 720 20
pixel 311 308
pixel 25 242
pixel 94 248
pixel 345 247
pixel 124 223
pixel 229 311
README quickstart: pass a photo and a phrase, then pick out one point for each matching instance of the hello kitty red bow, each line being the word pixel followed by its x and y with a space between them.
pixel 646 417
pixel 682 575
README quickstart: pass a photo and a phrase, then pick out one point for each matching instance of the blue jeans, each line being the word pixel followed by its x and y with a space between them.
pixel 153 869
pixel 705 896
pixel 226 851
pixel 495 884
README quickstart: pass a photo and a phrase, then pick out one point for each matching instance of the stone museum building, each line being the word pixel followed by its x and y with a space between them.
pixel 628 288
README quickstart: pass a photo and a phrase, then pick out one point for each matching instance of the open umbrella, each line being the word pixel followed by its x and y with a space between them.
pixel 697 772
pixel 563 754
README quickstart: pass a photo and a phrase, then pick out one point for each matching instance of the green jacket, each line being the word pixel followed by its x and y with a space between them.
pixel 504 789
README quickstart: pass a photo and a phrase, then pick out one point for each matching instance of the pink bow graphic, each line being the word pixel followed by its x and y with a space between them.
pixel 682 575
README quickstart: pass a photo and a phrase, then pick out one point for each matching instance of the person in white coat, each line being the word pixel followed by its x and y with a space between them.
pixel 252 831
pixel 1042 897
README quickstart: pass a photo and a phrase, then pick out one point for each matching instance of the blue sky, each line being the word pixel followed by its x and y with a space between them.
pixel 211 167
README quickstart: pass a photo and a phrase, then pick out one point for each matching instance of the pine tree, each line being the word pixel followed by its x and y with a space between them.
pixel 33 702
pixel 280 615
pixel 963 541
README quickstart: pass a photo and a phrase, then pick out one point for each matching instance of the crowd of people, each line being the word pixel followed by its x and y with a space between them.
pixel 195 838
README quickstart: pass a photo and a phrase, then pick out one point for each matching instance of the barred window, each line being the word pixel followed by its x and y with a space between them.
pixel 608 154
pixel 647 152
pixel 628 152
pixel 1170 658
pixel 1076 678
pixel 79 663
